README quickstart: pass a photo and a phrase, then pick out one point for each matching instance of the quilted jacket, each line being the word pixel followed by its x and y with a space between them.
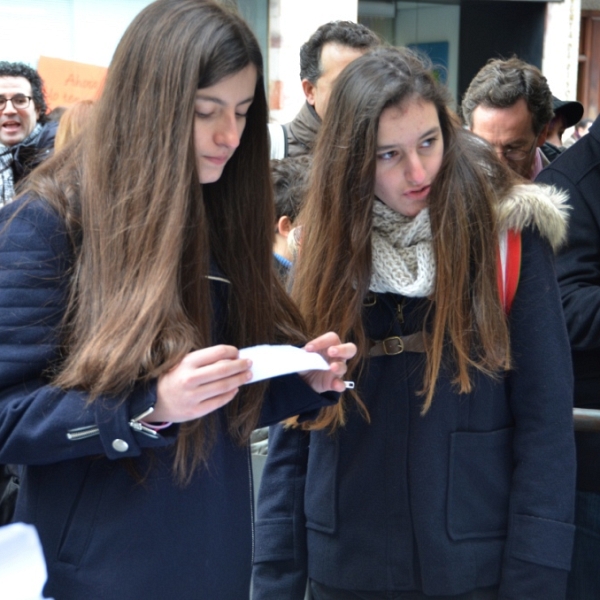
pixel 105 534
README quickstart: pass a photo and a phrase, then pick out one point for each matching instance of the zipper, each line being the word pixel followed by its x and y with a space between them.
pixel 82 433
pixel 251 482
pixel 215 278
pixel 88 431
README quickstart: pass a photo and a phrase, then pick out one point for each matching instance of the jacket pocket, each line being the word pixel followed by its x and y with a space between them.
pixel 80 524
pixel 320 493
pixel 479 483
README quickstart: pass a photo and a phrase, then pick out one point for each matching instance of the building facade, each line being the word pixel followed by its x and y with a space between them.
pixel 561 37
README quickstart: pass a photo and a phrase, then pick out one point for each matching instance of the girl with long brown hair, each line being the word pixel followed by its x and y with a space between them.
pixel 448 471
pixel 134 267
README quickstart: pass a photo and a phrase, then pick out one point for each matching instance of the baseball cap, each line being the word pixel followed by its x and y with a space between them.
pixel 571 110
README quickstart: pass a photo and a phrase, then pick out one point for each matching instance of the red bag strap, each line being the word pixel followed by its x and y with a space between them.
pixel 509 267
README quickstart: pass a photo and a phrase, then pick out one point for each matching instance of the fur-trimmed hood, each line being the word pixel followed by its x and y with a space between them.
pixel 541 206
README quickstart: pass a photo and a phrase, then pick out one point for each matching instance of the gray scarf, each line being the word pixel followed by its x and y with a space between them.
pixel 403 261
pixel 7 187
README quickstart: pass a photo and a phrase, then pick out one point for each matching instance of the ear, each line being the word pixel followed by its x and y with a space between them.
pixel 284 226
pixel 309 91
pixel 541 140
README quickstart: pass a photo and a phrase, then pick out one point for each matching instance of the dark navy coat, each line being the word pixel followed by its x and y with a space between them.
pixel 577 171
pixel 104 534
pixel 477 492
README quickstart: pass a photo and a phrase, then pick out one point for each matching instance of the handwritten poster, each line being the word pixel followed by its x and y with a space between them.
pixel 66 81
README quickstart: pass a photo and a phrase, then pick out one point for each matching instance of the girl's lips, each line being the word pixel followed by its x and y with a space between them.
pixel 217 160
pixel 419 194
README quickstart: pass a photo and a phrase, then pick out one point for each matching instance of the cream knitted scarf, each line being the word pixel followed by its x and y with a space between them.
pixel 403 261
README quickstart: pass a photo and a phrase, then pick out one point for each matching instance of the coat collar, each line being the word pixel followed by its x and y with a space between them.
pixel 543 207
pixel 305 126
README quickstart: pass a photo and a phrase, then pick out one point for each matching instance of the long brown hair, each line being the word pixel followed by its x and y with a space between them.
pixel 145 231
pixel 72 122
pixel 333 270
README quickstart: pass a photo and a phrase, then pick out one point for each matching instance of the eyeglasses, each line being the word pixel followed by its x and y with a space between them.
pixel 18 101
pixel 518 155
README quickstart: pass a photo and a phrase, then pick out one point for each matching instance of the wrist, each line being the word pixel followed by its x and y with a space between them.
pixel 157 426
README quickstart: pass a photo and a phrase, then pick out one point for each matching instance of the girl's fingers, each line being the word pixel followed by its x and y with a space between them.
pixel 331 346
pixel 217 372
pixel 338 368
pixel 344 351
pixel 208 391
pixel 209 356
pixel 323 342
pixel 207 406
pixel 338 385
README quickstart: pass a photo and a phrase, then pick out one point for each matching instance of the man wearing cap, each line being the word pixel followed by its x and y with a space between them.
pixel 509 104
pixel 567 113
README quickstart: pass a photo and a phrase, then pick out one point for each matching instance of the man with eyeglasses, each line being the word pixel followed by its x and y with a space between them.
pixel 509 104
pixel 25 138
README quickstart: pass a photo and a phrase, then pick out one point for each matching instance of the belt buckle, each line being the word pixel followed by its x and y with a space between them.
pixel 393 345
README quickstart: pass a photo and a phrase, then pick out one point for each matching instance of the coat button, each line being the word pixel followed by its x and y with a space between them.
pixel 120 445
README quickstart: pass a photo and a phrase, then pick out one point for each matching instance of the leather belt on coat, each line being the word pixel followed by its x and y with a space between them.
pixel 398 344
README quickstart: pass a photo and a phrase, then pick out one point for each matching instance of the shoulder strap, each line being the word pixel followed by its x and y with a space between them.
pixel 278 140
pixel 286 141
pixel 509 267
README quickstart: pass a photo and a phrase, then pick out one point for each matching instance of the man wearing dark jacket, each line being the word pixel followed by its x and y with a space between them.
pixel 323 57
pixel 25 139
pixel 577 170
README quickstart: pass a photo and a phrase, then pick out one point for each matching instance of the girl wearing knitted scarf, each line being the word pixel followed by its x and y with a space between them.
pixel 403 201
pixel 447 471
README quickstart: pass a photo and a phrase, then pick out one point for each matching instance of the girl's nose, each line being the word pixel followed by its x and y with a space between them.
pixel 415 171
pixel 228 133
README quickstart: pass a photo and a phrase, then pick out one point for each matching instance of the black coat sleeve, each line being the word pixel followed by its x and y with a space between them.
pixel 578 263
pixel 35 416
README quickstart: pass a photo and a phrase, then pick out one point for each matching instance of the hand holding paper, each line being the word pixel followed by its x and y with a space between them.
pixel 272 361
pixel 207 379
pixel 322 362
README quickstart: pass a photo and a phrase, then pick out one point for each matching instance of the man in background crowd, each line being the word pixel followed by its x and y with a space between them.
pixel 577 171
pixel 25 139
pixel 566 114
pixel 509 104
pixel 322 58
pixel 580 130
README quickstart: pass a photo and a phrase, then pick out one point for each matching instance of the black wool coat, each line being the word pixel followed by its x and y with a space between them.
pixel 577 171
pixel 477 492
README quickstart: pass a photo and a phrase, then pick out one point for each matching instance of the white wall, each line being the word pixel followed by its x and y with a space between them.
pixel 561 50
pixel 81 30
pixel 561 47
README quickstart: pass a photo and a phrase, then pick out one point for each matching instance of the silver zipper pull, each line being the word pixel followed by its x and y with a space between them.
pixel 82 433
pixel 136 424
pixel 143 415
pixel 141 428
